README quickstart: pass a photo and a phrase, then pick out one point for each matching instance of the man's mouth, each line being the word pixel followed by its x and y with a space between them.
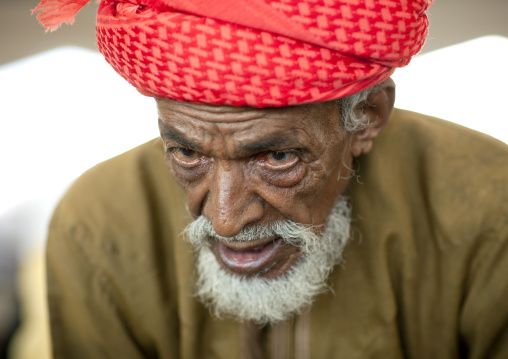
pixel 249 258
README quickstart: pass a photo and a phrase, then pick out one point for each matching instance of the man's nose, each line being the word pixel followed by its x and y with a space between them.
pixel 232 202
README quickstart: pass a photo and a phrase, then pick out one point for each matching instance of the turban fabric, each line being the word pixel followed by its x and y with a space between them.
pixel 252 52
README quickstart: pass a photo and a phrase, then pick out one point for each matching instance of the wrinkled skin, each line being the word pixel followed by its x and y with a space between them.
pixel 242 166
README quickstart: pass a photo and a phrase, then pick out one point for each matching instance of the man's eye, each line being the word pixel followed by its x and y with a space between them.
pixel 280 159
pixel 186 153
pixel 185 156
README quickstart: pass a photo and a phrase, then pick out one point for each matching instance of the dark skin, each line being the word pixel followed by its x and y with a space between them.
pixel 242 166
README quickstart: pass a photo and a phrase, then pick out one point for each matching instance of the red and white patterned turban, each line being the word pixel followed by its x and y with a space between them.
pixel 252 52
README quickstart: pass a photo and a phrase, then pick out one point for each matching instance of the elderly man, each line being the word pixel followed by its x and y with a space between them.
pixel 285 156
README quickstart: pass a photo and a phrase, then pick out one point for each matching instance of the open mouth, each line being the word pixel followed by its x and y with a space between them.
pixel 249 258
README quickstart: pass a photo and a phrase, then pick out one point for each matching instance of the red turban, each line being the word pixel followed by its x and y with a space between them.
pixel 252 52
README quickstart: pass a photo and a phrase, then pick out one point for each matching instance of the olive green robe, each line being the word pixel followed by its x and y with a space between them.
pixel 424 276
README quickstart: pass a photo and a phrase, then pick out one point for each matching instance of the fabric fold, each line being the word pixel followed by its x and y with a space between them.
pixel 252 52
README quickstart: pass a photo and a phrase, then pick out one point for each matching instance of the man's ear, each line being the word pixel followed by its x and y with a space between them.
pixel 378 108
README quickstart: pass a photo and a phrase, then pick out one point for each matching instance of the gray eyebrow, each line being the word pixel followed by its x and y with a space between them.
pixel 269 142
pixel 170 133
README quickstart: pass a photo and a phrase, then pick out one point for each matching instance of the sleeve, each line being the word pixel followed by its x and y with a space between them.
pixel 484 315
pixel 86 319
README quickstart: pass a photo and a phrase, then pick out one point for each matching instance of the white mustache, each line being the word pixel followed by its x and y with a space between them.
pixel 293 233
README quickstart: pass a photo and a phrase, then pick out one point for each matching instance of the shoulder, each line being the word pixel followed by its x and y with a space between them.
pixel 433 134
pixel 121 188
pixel 112 257
pixel 129 202
pixel 445 175
pixel 448 157
pixel 109 181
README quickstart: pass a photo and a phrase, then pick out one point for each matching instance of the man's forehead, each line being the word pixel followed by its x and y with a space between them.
pixel 246 130
pixel 238 146
pixel 175 111
pixel 250 136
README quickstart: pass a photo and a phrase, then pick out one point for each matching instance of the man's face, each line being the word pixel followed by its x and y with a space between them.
pixel 242 167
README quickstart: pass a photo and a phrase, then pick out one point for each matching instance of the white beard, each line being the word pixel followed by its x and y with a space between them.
pixel 270 300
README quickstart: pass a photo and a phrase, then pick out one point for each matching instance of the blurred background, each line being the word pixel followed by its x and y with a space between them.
pixel 62 110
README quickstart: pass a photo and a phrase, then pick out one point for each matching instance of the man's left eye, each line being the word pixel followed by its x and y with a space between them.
pixel 280 159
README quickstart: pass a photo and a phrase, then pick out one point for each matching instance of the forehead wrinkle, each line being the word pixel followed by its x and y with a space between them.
pixel 291 138
pixel 212 113
pixel 244 144
pixel 191 137
pixel 237 138
pixel 219 141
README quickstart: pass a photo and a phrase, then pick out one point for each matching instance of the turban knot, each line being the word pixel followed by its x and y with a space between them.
pixel 252 52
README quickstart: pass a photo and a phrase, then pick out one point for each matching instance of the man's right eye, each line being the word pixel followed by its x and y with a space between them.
pixel 185 156
pixel 186 153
